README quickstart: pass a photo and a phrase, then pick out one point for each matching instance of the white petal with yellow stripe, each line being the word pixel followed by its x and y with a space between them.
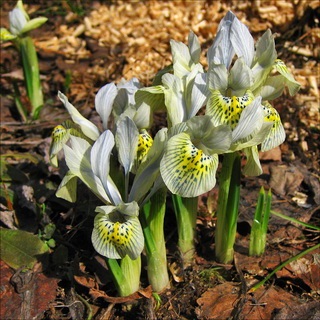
pixel 117 231
pixel 187 170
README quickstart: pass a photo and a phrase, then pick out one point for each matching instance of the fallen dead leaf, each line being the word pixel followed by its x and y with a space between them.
pixel 285 179
pixel 220 303
pixel 143 293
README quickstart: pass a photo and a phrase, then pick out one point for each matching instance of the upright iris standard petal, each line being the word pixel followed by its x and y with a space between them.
pixel 221 51
pixel 104 100
pixel 277 133
pixel 199 94
pixel 127 138
pixel 117 232
pixel 227 110
pixel 174 100
pixel 187 170
pixel 242 41
pixel 78 161
pixel 17 21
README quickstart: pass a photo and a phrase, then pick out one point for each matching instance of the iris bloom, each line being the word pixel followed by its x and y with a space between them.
pixel 20 23
pixel 87 154
pixel 117 100
pixel 91 164
pixel 190 161
pixel 236 85
pixel 115 234
pixel 182 92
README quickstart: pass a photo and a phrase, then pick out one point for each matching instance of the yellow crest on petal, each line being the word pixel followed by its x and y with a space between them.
pixel 280 66
pixel 227 110
pixel 144 144
pixel 115 237
pixel 187 170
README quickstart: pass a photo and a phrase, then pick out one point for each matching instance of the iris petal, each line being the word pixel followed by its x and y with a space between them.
pixel 116 235
pixel 277 133
pixel 187 170
pixel 227 110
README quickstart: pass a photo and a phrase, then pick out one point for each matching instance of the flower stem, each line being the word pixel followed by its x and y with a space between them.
pixel 31 74
pixel 152 221
pixel 228 204
pixel 126 276
pixel 186 215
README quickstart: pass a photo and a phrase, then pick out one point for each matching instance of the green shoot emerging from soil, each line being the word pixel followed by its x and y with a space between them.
pixel 20 26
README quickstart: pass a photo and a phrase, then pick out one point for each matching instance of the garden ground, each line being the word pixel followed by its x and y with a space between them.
pixel 85 45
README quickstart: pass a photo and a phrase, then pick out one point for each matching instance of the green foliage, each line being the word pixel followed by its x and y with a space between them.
pixel 260 224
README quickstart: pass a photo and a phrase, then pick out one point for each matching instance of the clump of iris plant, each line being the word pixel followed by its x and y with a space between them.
pixel 243 77
pixel 130 216
pixel 239 120
pixel 20 26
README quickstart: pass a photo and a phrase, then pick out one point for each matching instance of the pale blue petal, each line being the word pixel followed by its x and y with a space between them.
pixel 182 62
pixel 100 162
pixel 199 94
pixel 242 41
pixel 127 138
pixel 104 101
pixel 194 47
pixel 78 162
pixel 218 78
pixel 241 77
pixel 125 97
pixel 174 100
pixel 17 21
pixel 222 51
